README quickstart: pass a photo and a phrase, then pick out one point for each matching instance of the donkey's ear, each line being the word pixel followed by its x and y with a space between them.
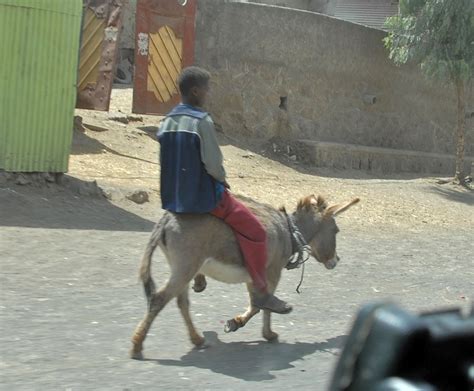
pixel 338 209
pixel 312 202
pixel 321 203
pixel 307 202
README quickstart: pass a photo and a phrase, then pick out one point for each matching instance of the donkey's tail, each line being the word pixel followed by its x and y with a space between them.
pixel 157 237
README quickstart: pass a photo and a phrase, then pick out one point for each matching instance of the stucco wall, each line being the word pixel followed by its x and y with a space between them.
pixel 321 6
pixel 127 37
pixel 328 69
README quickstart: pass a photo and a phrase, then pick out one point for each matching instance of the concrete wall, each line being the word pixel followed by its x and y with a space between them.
pixel 328 70
pixel 127 37
pixel 322 6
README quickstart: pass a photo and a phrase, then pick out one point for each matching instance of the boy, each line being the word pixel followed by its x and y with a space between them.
pixel 193 180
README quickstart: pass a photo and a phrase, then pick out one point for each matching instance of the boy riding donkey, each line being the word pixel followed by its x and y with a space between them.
pixel 193 180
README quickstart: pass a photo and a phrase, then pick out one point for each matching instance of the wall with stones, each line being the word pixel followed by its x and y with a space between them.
pixel 279 72
pixel 322 6
pixel 127 37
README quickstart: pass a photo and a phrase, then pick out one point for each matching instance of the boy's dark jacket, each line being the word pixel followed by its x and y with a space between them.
pixel 192 174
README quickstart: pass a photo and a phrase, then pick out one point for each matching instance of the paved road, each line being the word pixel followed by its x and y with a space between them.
pixel 69 302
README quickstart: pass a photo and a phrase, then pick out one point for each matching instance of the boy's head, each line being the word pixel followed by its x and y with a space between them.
pixel 194 85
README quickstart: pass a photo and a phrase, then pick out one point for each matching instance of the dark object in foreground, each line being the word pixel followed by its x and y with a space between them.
pixel 391 349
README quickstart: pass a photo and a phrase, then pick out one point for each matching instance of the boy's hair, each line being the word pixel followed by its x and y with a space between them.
pixel 192 77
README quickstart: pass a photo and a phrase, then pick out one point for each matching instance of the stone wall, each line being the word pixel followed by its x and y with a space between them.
pixel 127 37
pixel 303 75
pixel 322 6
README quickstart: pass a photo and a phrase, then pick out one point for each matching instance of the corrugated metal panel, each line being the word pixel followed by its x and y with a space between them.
pixel 371 13
pixel 39 45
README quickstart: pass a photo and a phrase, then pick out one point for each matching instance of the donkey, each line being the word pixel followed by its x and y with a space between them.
pixel 204 245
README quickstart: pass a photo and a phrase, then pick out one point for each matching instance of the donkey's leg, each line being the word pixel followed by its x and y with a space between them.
pixel 241 320
pixel 157 303
pixel 183 304
pixel 267 331
pixel 179 280
pixel 268 334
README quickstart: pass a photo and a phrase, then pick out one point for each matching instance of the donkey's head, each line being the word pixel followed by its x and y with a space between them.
pixel 317 223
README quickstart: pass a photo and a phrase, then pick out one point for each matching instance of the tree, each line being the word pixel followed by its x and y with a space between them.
pixel 438 35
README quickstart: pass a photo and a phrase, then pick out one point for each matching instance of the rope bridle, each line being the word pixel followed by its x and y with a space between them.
pixel 300 251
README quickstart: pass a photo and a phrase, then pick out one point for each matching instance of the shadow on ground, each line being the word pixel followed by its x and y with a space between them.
pixel 65 207
pixel 84 144
pixel 150 131
pixel 250 361
pixel 265 149
pixel 460 194
pixel 280 155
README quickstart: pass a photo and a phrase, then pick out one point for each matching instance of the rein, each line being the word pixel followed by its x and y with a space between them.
pixel 301 251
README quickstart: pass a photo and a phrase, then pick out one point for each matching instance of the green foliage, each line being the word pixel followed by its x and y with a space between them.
pixel 437 34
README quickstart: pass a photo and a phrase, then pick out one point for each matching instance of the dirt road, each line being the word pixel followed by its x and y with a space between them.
pixel 69 296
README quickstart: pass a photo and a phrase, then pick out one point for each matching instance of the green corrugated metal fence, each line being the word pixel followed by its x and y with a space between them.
pixel 39 46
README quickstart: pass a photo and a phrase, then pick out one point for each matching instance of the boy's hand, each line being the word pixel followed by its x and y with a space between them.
pixel 226 185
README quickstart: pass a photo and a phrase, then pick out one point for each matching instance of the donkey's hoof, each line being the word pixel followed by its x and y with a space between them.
pixel 200 283
pixel 136 355
pixel 231 325
pixel 198 341
pixel 205 345
pixel 271 336
pixel 199 288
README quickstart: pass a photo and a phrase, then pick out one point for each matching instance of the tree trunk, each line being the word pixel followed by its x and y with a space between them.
pixel 460 133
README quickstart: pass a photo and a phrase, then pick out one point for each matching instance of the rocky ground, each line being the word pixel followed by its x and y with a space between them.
pixel 124 158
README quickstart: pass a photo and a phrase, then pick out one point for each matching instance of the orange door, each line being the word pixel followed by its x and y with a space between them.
pixel 164 45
